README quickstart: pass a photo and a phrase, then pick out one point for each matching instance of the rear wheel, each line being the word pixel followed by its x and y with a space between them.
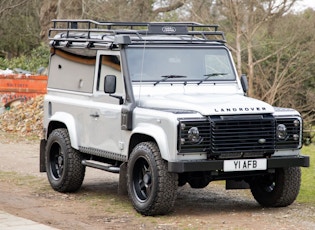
pixel 63 163
pixel 278 189
pixel 151 188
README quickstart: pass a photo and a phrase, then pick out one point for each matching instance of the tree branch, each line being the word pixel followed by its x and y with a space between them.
pixel 12 7
pixel 174 6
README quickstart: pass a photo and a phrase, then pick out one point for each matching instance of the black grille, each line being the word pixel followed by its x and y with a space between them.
pixel 245 136
pixel 242 136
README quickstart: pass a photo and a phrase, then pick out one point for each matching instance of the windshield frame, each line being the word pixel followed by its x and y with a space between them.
pixel 141 62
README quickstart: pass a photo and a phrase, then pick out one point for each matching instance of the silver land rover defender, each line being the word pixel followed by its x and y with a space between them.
pixel 162 105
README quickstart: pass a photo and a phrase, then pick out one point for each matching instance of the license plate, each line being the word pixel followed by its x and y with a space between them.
pixel 244 165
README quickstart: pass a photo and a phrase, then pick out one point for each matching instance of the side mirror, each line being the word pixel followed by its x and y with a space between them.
pixel 110 87
pixel 110 84
pixel 244 83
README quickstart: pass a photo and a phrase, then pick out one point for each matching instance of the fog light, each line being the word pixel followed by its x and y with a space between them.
pixel 296 137
pixel 281 132
pixel 182 141
pixel 296 123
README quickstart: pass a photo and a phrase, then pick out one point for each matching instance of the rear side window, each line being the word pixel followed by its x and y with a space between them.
pixel 71 72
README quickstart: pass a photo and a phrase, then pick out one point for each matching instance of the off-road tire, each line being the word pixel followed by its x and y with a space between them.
pixel 151 188
pixel 63 163
pixel 279 189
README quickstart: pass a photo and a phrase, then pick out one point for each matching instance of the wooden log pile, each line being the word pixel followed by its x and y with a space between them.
pixel 24 118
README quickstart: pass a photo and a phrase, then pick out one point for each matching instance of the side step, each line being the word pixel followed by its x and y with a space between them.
pixel 101 165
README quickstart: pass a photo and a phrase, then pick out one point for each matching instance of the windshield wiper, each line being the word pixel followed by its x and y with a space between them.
pixel 166 77
pixel 207 76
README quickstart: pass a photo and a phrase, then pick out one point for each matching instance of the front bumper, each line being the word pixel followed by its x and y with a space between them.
pixel 217 165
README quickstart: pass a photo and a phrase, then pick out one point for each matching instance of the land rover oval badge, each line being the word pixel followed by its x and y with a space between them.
pixel 168 29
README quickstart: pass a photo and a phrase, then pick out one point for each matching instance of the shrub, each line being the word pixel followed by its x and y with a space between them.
pixel 38 57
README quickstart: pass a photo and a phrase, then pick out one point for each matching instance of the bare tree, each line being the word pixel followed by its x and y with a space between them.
pixel 235 12
pixel 271 46
pixel 7 5
pixel 48 12
pixel 286 78
pixel 248 17
pixel 61 9
pixel 104 10
pixel 69 9
pixel 204 11
pixel 128 10
pixel 19 27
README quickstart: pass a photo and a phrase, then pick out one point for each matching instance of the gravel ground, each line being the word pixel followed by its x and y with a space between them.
pixel 25 192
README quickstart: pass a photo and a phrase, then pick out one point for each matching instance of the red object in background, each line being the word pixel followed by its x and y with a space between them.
pixel 13 86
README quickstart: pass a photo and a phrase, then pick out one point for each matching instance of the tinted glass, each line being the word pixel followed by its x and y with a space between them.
pixel 192 64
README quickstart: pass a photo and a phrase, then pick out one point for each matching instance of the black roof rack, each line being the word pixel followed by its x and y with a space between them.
pixel 89 32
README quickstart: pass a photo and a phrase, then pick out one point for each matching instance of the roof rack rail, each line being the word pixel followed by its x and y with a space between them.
pixel 93 32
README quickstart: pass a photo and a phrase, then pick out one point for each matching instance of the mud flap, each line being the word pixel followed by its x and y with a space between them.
pixel 122 184
pixel 42 164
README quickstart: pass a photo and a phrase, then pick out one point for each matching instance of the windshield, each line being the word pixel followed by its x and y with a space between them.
pixel 179 64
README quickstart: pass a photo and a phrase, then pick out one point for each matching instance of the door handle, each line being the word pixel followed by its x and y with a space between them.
pixel 95 115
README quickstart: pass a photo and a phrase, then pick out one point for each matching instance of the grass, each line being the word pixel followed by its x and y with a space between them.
pixel 14 137
pixel 14 177
pixel 307 191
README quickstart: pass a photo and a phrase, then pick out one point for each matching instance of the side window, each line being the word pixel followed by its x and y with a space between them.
pixel 71 72
pixel 109 65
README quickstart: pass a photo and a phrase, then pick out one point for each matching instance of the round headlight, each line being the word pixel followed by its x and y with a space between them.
pixel 193 134
pixel 281 132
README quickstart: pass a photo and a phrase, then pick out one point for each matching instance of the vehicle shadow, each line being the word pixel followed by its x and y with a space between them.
pixel 213 199
pixel 210 200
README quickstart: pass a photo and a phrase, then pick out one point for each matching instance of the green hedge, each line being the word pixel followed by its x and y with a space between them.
pixel 38 57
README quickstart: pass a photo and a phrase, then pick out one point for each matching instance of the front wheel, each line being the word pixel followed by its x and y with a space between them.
pixel 63 163
pixel 151 188
pixel 278 189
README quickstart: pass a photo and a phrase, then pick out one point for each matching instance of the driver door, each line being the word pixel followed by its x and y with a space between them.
pixel 104 130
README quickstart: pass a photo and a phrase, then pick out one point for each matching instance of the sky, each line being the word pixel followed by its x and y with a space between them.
pixel 303 4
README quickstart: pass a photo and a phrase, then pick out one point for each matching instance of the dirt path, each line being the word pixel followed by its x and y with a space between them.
pixel 25 192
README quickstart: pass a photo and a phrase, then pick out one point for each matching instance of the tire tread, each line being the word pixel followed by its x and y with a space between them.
pixel 74 170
